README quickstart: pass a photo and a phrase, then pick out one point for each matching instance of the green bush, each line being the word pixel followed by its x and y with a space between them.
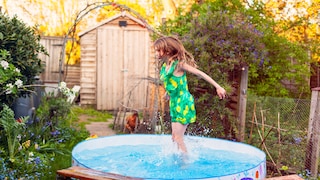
pixel 23 45
pixel 10 78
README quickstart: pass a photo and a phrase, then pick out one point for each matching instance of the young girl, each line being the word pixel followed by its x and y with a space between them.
pixel 176 62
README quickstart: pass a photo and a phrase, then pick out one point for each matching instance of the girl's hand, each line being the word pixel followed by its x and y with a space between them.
pixel 221 93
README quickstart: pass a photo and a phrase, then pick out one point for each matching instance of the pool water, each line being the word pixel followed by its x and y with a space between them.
pixel 157 157
pixel 151 161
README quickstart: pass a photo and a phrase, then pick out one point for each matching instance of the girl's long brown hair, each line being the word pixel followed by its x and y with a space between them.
pixel 174 49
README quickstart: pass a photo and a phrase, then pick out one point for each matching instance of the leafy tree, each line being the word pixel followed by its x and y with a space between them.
pixel 266 75
pixel 297 21
pixel 23 45
pixel 171 8
pixel 226 36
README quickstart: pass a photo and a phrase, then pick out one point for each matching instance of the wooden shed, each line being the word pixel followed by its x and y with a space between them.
pixel 115 63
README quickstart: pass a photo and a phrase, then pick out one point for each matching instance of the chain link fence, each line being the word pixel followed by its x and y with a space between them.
pixel 279 126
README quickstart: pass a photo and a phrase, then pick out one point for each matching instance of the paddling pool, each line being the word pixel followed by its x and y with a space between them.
pixel 157 157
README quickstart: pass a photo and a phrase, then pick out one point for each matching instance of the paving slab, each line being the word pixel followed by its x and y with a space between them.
pixel 100 128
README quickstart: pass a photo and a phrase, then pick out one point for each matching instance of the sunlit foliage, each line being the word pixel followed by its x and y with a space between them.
pixel 298 21
pixel 57 18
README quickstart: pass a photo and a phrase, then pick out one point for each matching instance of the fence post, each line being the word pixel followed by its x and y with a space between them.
pixel 312 153
pixel 242 103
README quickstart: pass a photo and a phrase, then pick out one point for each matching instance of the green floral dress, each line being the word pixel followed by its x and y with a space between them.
pixel 181 103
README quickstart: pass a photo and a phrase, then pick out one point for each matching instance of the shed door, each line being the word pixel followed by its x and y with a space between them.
pixel 122 67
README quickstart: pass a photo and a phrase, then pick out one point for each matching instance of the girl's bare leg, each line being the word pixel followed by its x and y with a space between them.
pixel 178 131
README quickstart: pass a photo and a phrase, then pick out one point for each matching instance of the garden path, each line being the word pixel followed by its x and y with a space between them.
pixel 98 128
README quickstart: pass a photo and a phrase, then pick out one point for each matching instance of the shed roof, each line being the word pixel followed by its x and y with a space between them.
pixel 122 14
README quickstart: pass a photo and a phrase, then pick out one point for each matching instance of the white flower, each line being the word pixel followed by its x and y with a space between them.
pixel 66 91
pixel 18 83
pixel 31 154
pixel 9 88
pixel 63 88
pixel 17 70
pixel 4 64
pixel 63 85
pixel 19 137
pixel 69 93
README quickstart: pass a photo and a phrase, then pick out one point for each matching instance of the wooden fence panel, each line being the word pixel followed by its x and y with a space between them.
pixel 70 74
pixel 53 45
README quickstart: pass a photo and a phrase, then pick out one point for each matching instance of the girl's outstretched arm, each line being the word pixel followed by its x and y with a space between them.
pixel 220 91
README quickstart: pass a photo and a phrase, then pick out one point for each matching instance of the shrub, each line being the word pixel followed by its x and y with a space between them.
pixel 23 45
pixel 35 148
pixel 10 78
